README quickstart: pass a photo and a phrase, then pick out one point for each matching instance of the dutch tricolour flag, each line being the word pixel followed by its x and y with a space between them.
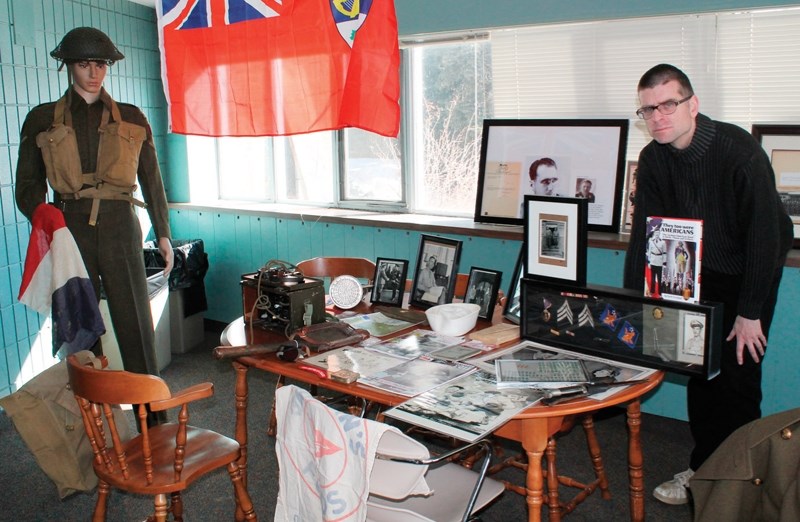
pixel 56 278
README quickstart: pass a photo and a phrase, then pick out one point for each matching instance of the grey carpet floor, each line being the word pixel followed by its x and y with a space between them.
pixel 28 495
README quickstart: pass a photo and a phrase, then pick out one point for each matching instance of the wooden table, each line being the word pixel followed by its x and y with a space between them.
pixel 533 428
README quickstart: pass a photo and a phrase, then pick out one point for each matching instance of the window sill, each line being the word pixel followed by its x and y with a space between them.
pixel 418 222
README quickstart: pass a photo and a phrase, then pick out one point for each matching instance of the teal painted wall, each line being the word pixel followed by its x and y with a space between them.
pixel 425 16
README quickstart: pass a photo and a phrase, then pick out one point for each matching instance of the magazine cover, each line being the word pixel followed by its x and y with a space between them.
pixel 674 253
pixel 467 408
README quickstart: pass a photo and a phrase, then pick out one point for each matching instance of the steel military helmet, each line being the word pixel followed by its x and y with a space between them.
pixel 86 43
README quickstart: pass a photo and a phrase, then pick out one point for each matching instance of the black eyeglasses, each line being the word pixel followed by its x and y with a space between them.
pixel 667 107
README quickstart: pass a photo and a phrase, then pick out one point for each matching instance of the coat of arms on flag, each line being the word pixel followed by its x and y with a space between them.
pixel 280 67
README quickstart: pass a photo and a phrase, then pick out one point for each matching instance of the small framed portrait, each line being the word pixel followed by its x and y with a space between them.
pixel 511 310
pixel 629 201
pixel 555 239
pixel 692 333
pixel 437 266
pixel 482 287
pixel 390 281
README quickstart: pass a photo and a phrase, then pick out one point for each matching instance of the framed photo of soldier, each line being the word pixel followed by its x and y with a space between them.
pixel 389 281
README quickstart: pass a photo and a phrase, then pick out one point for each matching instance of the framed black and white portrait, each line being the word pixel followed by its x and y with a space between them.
pixel 482 287
pixel 555 239
pixel 512 308
pixel 390 281
pixel 437 267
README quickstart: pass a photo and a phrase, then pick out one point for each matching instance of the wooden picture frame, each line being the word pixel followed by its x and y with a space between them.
pixel 482 287
pixel 436 269
pixel 513 306
pixel 570 152
pixel 782 145
pixel 389 281
pixel 555 239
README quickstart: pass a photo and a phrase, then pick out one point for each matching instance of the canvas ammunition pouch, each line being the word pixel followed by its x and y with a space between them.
pixel 117 157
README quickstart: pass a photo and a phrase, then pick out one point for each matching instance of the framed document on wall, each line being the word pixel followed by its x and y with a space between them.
pixel 560 158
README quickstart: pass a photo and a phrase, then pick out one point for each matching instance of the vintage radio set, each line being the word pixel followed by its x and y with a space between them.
pixel 278 297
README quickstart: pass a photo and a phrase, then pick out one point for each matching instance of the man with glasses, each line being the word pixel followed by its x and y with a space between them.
pixel 699 168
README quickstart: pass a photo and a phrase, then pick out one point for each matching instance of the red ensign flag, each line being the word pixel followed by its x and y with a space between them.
pixel 280 67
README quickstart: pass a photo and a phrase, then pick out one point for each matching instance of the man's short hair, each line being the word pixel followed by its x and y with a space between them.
pixel 663 73
pixel 547 162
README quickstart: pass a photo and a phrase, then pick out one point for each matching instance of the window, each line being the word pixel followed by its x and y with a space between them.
pixel 743 66
pixel 450 96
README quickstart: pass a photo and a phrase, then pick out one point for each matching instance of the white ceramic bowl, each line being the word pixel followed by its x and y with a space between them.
pixel 453 318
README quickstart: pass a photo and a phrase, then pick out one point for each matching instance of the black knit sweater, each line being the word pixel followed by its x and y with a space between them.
pixel 724 178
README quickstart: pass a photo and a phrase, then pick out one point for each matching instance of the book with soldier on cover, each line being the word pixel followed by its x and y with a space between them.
pixel 674 254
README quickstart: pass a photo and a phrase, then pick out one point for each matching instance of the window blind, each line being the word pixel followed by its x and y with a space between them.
pixel 744 66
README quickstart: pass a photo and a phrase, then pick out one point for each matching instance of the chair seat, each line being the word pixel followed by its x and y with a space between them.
pixel 444 505
pixel 205 450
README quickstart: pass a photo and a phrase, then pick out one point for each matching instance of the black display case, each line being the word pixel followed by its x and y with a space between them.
pixel 622 325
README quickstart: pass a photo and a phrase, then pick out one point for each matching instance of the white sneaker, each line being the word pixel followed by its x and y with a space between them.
pixel 675 491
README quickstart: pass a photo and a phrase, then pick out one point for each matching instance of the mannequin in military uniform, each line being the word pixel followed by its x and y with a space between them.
pixel 93 153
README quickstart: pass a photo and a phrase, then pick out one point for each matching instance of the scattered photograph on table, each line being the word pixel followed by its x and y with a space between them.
pixel 390 280
pixel 466 408
pixel 415 376
pixel 360 360
pixel 418 342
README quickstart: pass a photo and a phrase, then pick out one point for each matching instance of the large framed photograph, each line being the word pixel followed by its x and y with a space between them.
pixel 390 281
pixel 562 158
pixel 782 144
pixel 437 266
pixel 512 308
pixel 482 287
pixel 555 239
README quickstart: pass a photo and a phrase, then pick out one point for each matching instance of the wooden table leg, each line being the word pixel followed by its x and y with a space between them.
pixel 635 461
pixel 552 481
pixel 240 395
pixel 534 434
pixel 594 454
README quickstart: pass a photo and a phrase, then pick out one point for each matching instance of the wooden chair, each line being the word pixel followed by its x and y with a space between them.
pixel 333 267
pixel 162 460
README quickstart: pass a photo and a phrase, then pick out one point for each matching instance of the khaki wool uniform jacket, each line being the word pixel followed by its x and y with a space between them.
pixel 112 250
pixel 753 475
